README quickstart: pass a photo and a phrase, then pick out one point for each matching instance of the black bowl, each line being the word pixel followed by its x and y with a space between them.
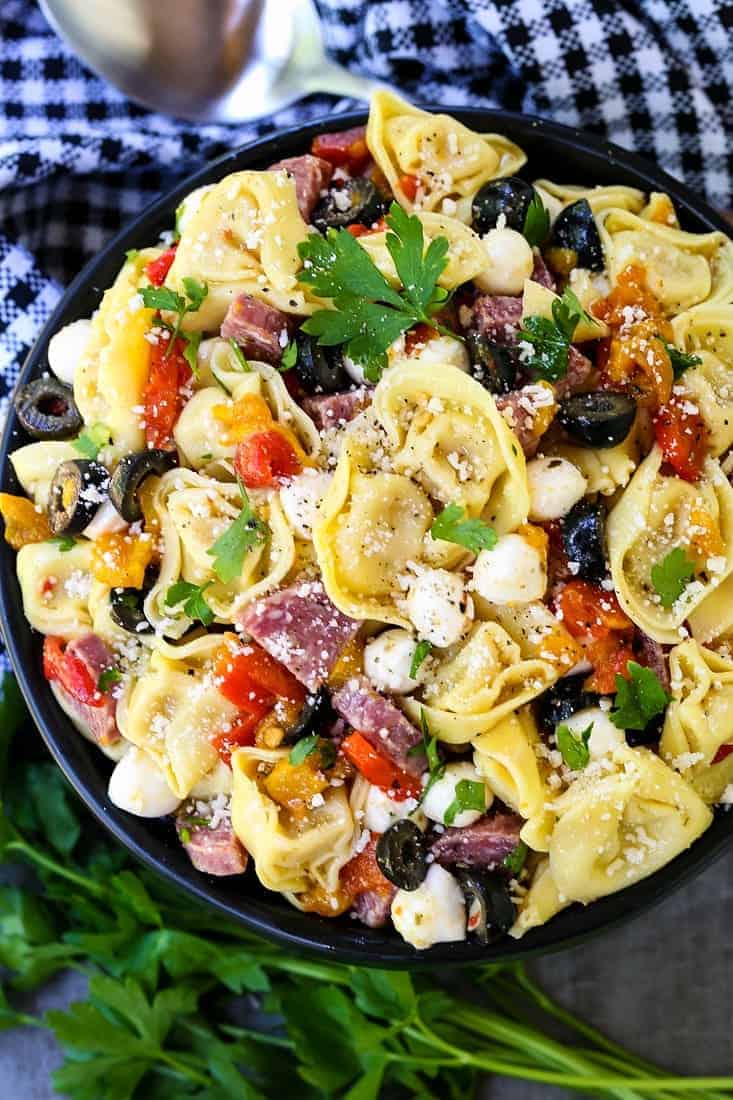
pixel 554 151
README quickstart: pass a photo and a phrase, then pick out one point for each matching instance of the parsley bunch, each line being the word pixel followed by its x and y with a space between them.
pixel 369 313
pixel 551 340
pixel 165 1019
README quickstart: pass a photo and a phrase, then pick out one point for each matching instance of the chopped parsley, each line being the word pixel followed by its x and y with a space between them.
pixel 304 748
pixel 163 298
pixel 370 314
pixel 242 361
pixel 638 699
pixel 514 862
pixel 428 746
pixel 289 357
pixel 132 254
pixel 680 360
pixel 672 576
pixel 574 746
pixel 470 795
pixel 422 649
pixel 193 600
pixel 64 542
pixel 229 550
pixel 551 340
pixel 452 526
pixel 91 440
pixel 191 351
pixel 536 221
pixel 108 678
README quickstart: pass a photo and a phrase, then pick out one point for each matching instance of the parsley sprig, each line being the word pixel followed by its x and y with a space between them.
pixel 163 298
pixel 429 747
pixel 536 221
pixel 680 360
pixel 158 1018
pixel 451 525
pixel 470 794
pixel 369 313
pixel 91 441
pixel 574 746
pixel 638 699
pixel 231 547
pixel 672 575
pixel 422 650
pixel 192 597
pixel 551 340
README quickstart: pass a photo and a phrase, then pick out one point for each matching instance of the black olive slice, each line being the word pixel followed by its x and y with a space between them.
pixel 510 197
pixel 563 699
pixel 126 604
pixel 319 369
pixel 489 907
pixel 649 735
pixel 402 855
pixel 78 489
pixel 493 365
pixel 600 419
pixel 354 201
pixel 315 717
pixel 129 476
pixel 575 241
pixel 47 410
pixel 584 539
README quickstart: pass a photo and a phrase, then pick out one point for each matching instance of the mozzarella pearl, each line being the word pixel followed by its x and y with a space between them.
pixel 510 262
pixel 604 737
pixel 445 351
pixel 138 785
pixel 381 811
pixel 555 485
pixel 437 607
pixel 443 792
pixel 387 661
pixel 106 522
pixel 434 913
pixel 300 499
pixel 66 347
pixel 513 572
pixel 354 370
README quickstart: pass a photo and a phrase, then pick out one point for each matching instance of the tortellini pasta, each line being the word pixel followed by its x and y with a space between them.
pixel 448 160
pixel 506 758
pixel 656 514
pixel 467 257
pixel 36 463
pixel 55 586
pixel 290 856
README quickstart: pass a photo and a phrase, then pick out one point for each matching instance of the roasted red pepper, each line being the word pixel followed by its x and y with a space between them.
pixel 70 672
pixel 682 434
pixel 345 149
pixel 157 270
pixel 163 398
pixel 264 458
pixel 378 770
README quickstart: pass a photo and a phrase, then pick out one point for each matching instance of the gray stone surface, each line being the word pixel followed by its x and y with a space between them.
pixel 660 985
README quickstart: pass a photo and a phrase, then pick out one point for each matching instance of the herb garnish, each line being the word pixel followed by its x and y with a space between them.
pixel 91 440
pixel 470 795
pixel 428 746
pixel 452 526
pixel 289 357
pixel 672 576
pixel 132 254
pixel 64 542
pixel 536 221
pixel 163 298
pixel 680 360
pixel 108 678
pixel 574 746
pixel 638 699
pixel 422 649
pixel 514 862
pixel 304 748
pixel 369 313
pixel 239 355
pixel 551 340
pixel 193 600
pixel 229 550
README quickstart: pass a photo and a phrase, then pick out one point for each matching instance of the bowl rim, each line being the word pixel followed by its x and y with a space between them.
pixel 81 762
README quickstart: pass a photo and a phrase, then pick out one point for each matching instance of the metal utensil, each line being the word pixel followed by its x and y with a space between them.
pixel 205 60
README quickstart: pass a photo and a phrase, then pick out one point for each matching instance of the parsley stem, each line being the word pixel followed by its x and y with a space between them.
pixel 49 864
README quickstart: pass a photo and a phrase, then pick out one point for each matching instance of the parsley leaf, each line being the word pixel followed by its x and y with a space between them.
pixel 163 298
pixel 672 575
pixel 229 550
pixel 470 795
pixel 370 314
pixel 574 746
pixel 514 862
pixel 551 340
pixel 422 649
pixel 474 534
pixel 239 355
pixel 91 440
pixel 639 699
pixel 289 357
pixel 64 542
pixel 428 746
pixel 108 678
pixel 132 254
pixel 680 360
pixel 302 749
pixel 193 600
pixel 536 221
pixel 190 354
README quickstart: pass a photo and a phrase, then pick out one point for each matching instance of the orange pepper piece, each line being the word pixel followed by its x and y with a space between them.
pixel 120 560
pixel 23 523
